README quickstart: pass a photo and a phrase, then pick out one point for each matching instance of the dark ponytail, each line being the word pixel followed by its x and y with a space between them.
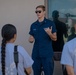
pixel 7 33
pixel 3 55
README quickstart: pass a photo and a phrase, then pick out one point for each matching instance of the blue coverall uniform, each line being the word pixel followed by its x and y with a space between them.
pixel 42 53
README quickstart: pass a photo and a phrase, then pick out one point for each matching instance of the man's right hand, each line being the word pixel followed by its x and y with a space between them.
pixel 31 39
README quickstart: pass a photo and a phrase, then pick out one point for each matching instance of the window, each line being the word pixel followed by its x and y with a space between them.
pixel 67 12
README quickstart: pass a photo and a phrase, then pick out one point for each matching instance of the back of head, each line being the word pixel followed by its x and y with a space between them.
pixel 55 14
pixel 7 33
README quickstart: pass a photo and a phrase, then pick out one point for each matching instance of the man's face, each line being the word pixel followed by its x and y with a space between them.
pixel 40 13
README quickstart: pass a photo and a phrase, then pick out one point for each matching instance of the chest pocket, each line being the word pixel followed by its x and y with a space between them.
pixel 35 32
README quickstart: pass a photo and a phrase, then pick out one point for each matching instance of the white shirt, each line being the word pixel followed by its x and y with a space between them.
pixel 25 60
pixel 69 54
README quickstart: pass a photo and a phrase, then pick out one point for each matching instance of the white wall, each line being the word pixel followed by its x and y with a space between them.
pixel 21 13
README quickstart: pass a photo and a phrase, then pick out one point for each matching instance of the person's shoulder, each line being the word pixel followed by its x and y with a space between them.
pixel 34 23
pixel 20 48
pixel 48 20
pixel 71 42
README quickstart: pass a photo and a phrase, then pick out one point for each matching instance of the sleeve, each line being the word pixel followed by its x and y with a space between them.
pixel 53 28
pixel 66 57
pixel 31 31
pixel 27 60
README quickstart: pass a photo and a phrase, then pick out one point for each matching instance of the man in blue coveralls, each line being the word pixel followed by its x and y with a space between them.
pixel 42 32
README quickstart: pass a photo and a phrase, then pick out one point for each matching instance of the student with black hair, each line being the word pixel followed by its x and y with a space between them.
pixel 7 64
